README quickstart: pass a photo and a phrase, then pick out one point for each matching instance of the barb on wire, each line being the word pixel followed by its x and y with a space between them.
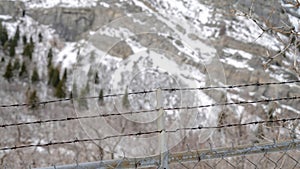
pixel 147 111
pixel 149 91
pixel 147 133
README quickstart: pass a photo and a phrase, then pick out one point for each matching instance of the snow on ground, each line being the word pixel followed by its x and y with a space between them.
pixel 290 108
pixel 189 8
pixel 280 77
pixel 68 55
pixel 237 64
pixel 5 17
pixel 246 30
pixel 246 55
pixel 121 33
pixel 142 5
pixel 106 5
pixel 62 3
pixel 135 46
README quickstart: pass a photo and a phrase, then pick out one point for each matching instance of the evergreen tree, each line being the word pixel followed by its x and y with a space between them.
pixel 8 72
pixel 3 35
pixel 24 39
pixel 28 50
pixel 71 97
pixel 33 99
pixel 23 71
pixel 40 37
pixel 50 56
pixel 65 76
pixel 17 64
pixel 96 78
pixel 53 75
pixel 101 98
pixel 35 76
pixel 12 48
pixel 17 35
pixel 125 101
pixel 31 40
pixel 60 90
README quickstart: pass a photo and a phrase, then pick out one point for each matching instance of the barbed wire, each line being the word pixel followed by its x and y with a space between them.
pixel 148 91
pixel 147 111
pixel 200 127
pixel 234 86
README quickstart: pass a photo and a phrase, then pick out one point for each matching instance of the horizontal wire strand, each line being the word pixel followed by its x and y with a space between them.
pixel 148 133
pixel 149 91
pixel 147 111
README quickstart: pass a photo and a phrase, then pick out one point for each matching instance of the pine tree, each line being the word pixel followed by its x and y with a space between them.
pixel 40 37
pixel 53 75
pixel 3 35
pixel 125 101
pixel 65 76
pixel 31 41
pixel 71 96
pixel 23 71
pixel 101 98
pixel 24 39
pixel 28 50
pixel 60 90
pixel 8 72
pixel 12 50
pixel 17 64
pixel 33 99
pixel 35 76
pixel 17 35
pixel 50 56
pixel 96 78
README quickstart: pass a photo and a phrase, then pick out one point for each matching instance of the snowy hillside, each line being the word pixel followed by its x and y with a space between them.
pixel 90 48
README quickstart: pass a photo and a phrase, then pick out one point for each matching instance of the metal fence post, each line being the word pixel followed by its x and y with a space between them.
pixel 163 147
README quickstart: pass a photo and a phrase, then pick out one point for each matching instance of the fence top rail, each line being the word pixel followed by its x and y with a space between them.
pixel 188 156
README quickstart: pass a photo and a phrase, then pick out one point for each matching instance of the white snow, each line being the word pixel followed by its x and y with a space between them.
pixel 62 3
pixel 242 53
pixel 290 108
pixel 5 17
pixel 106 5
pixel 68 55
pixel 237 64
pixel 122 33
pixel 190 8
pixel 246 30
pixel 135 46
pixel 142 5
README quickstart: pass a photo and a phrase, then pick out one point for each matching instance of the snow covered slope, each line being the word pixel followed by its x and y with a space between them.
pixel 139 45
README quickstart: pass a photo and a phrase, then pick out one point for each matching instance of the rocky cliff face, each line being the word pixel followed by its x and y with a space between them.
pixel 11 8
pixel 71 23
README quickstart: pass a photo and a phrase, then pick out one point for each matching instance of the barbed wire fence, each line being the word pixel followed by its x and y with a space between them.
pixel 235 156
